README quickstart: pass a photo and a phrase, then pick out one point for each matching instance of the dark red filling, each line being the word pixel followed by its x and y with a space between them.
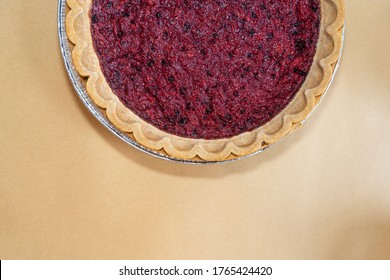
pixel 205 69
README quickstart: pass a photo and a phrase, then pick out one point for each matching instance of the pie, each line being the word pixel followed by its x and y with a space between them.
pixel 206 80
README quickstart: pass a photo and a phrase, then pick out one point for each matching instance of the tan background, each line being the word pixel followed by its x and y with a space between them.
pixel 69 189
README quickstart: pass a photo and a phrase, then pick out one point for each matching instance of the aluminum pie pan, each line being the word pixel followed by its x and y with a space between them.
pixel 99 114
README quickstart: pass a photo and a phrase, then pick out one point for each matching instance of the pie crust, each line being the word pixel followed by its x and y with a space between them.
pixel 328 52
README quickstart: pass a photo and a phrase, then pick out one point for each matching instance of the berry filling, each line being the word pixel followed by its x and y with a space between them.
pixel 205 69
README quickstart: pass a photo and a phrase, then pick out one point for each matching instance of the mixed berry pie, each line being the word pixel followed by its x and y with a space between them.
pixel 206 80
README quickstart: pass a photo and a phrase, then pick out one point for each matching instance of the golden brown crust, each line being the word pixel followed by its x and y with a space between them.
pixel 305 101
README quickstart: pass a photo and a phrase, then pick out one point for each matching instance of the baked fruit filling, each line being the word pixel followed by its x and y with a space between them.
pixel 205 69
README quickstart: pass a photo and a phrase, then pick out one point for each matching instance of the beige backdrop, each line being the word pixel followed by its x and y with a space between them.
pixel 69 189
